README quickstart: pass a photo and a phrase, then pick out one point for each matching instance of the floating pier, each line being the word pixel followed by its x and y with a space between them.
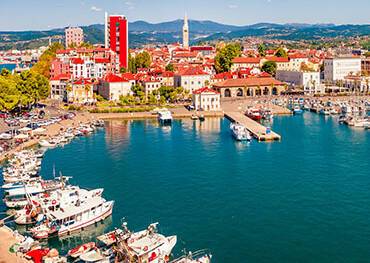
pixel 257 129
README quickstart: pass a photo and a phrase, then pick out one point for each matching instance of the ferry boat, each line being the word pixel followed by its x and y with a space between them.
pixel 254 114
pixel 73 218
pixel 239 132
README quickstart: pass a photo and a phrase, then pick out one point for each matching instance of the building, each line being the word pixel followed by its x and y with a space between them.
pixel 365 66
pixel 150 84
pixel 206 99
pixel 74 36
pixel 308 81
pixel 249 87
pixel 81 91
pixel 58 85
pixel 245 62
pixel 336 69
pixel 112 87
pixel 116 37
pixel 191 79
pixel 185 33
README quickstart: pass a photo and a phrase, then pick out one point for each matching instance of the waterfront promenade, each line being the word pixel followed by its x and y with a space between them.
pixel 8 238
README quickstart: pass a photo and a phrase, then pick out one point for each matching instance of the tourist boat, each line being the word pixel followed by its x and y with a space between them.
pixel 164 116
pixel 81 249
pixel 201 256
pixel 297 110
pixel 254 114
pixel 239 132
pixel 73 218
pixel 45 203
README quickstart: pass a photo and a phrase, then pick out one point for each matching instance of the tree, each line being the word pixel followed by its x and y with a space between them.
pixel 43 65
pixel 170 67
pixel 131 64
pixel 262 50
pixel 225 55
pixel 86 45
pixel 143 60
pixel 367 54
pixel 270 67
pixel 280 52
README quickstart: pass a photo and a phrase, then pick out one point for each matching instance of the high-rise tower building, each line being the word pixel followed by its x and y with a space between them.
pixel 116 37
pixel 185 33
pixel 74 35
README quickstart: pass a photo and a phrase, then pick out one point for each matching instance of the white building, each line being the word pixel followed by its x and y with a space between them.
pixel 112 87
pixel 206 99
pixel 338 68
pixel 309 81
pixel 192 79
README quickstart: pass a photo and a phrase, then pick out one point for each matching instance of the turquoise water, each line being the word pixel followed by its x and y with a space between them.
pixel 304 199
pixel 7 66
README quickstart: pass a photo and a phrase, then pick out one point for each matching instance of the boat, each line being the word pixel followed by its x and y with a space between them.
pixel 146 245
pixel 254 114
pixel 81 249
pixel 201 256
pixel 202 118
pixel 325 111
pixel 267 114
pixel 239 132
pixel 297 110
pixel 194 117
pixel 46 143
pixel 165 116
pixel 73 218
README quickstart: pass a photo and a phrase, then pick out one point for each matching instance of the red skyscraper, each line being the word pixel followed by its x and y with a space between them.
pixel 116 37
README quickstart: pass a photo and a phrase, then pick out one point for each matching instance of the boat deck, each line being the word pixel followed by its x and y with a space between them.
pixel 257 129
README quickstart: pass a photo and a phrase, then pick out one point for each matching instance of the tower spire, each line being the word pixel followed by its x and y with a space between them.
pixel 185 32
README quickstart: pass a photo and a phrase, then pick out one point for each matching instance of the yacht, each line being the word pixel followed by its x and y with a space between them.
pixel 239 132
pixel 200 256
pixel 73 218
pixel 254 114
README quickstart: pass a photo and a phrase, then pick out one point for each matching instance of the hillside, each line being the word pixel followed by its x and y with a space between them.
pixel 141 32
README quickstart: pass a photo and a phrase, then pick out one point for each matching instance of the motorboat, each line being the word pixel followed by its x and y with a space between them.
pixel 81 249
pixel 46 143
pixel 201 256
pixel 297 110
pixel 254 114
pixel 239 132
pixel 165 116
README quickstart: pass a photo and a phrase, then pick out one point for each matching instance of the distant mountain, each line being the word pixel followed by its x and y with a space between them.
pixel 141 32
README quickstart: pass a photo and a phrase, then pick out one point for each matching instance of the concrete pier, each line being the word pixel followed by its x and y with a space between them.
pixel 257 129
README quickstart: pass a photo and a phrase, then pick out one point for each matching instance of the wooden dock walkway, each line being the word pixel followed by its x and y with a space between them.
pixel 257 129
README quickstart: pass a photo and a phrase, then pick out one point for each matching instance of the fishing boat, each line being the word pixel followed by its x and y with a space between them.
pixel 145 246
pixel 73 218
pixel 254 114
pixel 239 132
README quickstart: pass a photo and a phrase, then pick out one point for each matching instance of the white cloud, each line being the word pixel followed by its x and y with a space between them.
pixel 96 9
pixel 232 6
pixel 130 5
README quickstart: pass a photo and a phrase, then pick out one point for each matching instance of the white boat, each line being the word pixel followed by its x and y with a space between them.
pixel 146 245
pixel 73 218
pixel 46 143
pixel 43 204
pixel 200 256
pixel 239 132
pixel 164 116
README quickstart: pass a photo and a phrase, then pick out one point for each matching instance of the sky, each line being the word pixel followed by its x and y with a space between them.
pixel 47 14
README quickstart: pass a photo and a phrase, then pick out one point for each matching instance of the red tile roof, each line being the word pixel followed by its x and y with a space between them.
pixel 246 60
pixel 248 82
pixel 277 59
pixel 102 60
pixel 111 78
pixel 77 61
pixel 191 72
pixel 82 82
pixel 61 77
pixel 205 90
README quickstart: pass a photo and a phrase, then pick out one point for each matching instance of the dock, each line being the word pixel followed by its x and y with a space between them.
pixel 257 129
